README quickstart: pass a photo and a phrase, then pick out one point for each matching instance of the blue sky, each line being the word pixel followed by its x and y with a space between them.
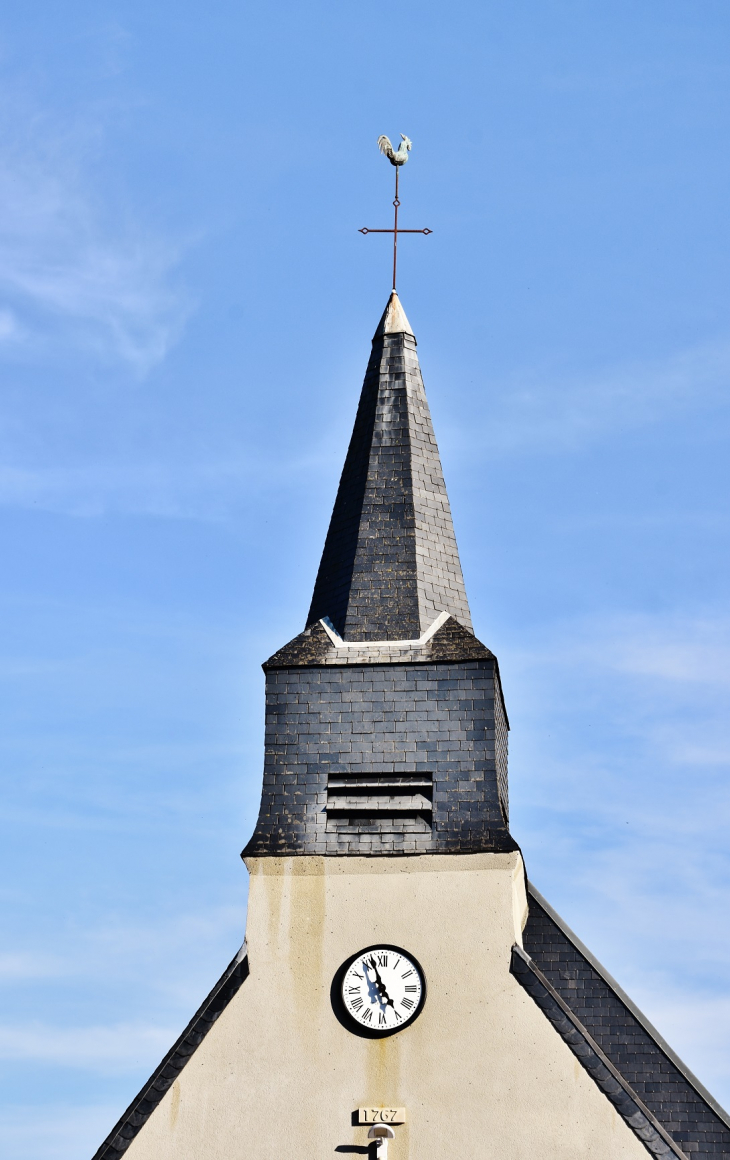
pixel 185 315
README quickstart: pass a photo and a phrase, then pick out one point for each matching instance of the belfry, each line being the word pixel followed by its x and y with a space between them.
pixel 403 991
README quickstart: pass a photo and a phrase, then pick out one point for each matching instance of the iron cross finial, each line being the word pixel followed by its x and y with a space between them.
pixel 397 157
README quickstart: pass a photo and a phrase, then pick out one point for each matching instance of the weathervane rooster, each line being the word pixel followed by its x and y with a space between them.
pixel 395 157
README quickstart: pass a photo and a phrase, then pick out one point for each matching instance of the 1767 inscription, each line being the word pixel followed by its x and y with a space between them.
pixel 381 1115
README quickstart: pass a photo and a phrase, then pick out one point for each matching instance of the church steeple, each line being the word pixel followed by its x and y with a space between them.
pixel 390 563
pixel 386 731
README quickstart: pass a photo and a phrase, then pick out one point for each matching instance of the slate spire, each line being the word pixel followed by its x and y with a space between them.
pixel 390 563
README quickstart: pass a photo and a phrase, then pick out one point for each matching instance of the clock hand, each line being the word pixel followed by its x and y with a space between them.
pixel 381 985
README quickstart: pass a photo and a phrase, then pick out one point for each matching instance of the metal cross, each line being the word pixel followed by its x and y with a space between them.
pixel 395 231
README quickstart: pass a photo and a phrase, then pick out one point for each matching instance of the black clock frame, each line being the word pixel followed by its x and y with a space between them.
pixel 340 1010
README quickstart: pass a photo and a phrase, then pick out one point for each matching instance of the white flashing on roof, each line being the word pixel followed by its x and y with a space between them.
pixel 338 642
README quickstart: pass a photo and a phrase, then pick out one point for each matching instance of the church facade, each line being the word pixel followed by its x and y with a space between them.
pixel 403 990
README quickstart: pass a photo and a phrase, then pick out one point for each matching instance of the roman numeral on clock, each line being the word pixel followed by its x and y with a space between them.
pixel 407 1003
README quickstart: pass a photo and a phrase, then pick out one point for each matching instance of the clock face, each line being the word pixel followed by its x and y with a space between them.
pixel 383 989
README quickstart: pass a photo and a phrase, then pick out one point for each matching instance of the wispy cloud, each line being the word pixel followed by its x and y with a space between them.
pixel 15 967
pixel 123 952
pixel 115 1048
pixel 622 808
pixel 700 1024
pixel 175 489
pixel 538 409
pixel 682 650
pixel 72 270
pixel 171 959
pixel 674 647
pixel 10 330
pixel 54 1131
pixel 169 489
pixel 630 712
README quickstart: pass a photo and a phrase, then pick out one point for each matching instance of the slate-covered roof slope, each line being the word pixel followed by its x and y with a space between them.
pixel 680 1103
pixel 390 563
pixel 608 1078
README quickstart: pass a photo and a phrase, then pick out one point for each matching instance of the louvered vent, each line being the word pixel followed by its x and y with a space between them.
pixel 385 803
